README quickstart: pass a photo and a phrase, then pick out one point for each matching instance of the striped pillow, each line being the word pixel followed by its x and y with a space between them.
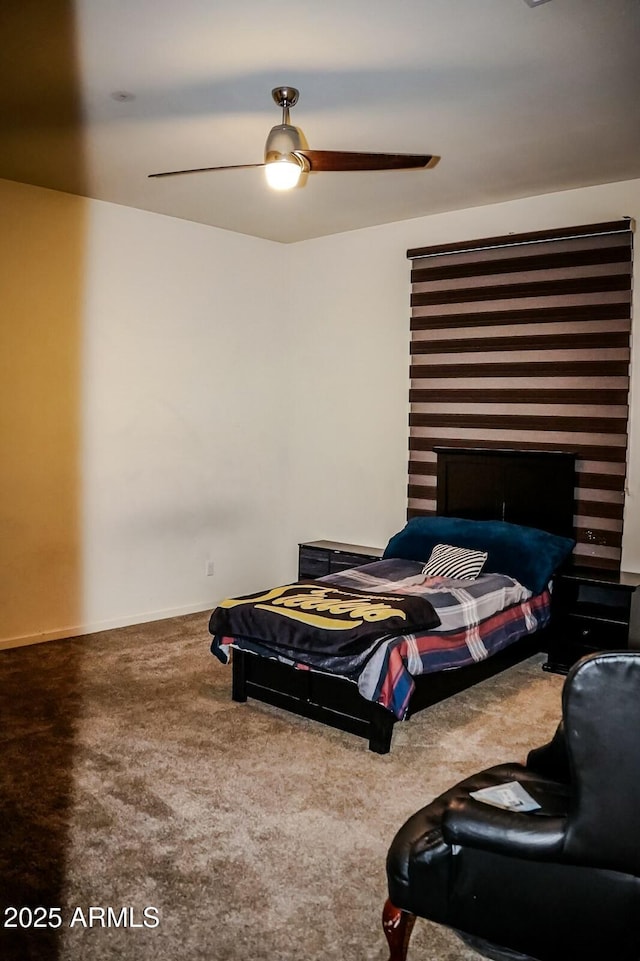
pixel 448 561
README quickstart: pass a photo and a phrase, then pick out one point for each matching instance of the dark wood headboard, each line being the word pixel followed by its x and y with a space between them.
pixel 533 488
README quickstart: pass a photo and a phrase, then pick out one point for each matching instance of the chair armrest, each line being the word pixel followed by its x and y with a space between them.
pixel 552 759
pixel 470 823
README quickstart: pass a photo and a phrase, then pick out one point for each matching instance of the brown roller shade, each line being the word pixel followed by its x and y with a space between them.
pixel 522 342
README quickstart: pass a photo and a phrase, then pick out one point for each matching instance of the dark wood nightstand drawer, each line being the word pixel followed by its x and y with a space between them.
pixel 596 635
pixel 312 563
pixel 318 558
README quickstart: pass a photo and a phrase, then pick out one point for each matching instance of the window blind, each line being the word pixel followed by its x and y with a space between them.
pixel 523 342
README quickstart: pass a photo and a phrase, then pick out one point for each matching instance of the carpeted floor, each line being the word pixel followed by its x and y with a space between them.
pixel 129 779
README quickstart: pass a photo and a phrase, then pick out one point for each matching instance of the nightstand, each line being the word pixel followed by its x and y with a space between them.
pixel 317 558
pixel 592 610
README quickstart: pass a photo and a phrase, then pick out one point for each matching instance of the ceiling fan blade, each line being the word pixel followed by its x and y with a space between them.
pixel 326 160
pixel 201 170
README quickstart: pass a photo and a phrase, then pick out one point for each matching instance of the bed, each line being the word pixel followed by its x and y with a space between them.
pixel 483 496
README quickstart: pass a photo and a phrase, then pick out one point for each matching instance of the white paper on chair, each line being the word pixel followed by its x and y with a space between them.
pixel 510 797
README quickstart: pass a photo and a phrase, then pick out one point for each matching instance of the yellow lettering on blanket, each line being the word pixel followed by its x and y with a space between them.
pixel 348 610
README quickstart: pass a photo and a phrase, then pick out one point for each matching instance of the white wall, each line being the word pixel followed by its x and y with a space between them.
pixel 215 416
pixel 185 438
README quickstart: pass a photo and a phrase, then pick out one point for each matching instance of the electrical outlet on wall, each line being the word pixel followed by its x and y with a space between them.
pixel 208 568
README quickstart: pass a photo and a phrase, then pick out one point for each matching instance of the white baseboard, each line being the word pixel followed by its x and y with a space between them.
pixel 81 629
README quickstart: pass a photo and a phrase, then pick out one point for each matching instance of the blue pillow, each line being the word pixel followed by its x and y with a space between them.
pixel 526 553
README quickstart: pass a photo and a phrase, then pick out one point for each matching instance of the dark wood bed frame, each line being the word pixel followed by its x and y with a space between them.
pixel 532 488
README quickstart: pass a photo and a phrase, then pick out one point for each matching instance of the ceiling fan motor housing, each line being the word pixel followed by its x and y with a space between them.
pixel 283 140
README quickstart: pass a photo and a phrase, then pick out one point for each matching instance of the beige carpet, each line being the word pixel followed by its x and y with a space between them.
pixel 129 779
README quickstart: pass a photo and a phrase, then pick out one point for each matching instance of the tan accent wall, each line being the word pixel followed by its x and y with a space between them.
pixel 41 269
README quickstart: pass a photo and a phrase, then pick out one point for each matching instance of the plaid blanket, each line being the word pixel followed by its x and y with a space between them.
pixel 457 603
pixel 477 618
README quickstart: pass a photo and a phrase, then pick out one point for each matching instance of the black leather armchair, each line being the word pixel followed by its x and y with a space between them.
pixel 555 884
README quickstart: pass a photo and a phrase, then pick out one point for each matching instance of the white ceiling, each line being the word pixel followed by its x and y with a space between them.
pixel 515 100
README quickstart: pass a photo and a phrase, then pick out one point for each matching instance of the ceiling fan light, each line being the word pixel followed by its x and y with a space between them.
pixel 283 174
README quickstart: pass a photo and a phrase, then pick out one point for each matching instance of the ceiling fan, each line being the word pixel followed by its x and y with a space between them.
pixel 286 157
